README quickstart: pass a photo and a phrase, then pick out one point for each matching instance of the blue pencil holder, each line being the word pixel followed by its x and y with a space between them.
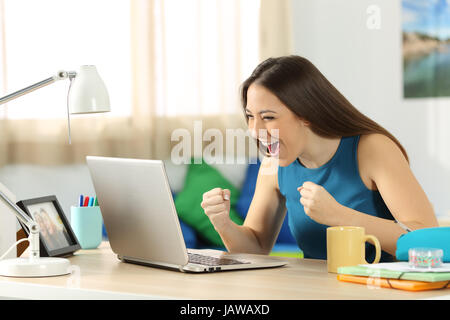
pixel 87 225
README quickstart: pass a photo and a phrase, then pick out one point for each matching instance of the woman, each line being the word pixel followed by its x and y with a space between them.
pixel 336 167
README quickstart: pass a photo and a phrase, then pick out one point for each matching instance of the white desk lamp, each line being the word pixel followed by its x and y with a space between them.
pixel 87 94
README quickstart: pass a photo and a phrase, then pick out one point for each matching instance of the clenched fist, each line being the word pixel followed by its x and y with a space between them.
pixel 318 204
pixel 216 205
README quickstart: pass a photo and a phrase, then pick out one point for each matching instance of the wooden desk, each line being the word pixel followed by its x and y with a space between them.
pixel 98 274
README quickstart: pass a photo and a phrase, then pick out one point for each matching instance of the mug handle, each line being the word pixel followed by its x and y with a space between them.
pixel 376 243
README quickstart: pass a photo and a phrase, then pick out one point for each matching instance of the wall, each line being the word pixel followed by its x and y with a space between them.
pixel 366 66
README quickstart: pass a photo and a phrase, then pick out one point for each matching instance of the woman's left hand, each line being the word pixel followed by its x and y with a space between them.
pixel 319 205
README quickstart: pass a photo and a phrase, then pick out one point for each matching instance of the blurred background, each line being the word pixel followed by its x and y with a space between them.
pixel 167 63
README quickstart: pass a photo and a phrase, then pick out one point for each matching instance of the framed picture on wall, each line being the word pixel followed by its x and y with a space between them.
pixel 426 48
pixel 55 235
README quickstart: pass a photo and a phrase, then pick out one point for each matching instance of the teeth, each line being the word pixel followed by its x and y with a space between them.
pixel 266 144
pixel 271 146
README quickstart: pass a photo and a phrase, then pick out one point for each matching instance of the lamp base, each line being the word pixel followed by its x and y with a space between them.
pixel 38 267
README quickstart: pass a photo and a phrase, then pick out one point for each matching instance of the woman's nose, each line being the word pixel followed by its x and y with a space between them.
pixel 256 129
pixel 253 132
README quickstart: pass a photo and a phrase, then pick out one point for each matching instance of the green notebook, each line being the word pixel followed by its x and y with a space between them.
pixel 383 273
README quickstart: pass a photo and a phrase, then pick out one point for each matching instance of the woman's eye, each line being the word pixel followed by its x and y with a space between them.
pixel 249 116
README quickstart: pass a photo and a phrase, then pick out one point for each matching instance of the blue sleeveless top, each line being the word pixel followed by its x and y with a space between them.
pixel 340 177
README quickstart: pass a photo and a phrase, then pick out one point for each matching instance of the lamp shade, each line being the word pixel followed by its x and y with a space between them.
pixel 88 93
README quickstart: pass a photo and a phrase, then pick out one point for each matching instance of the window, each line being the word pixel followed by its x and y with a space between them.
pixel 45 36
pixel 204 50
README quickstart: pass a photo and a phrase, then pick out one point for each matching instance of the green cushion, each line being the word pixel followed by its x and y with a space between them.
pixel 298 254
pixel 201 178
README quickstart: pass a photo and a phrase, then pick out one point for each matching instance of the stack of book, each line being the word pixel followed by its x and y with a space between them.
pixel 393 276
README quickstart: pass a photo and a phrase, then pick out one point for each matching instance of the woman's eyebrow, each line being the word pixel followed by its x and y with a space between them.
pixel 262 111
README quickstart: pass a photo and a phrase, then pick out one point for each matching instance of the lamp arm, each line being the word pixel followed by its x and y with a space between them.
pixel 32 226
pixel 59 76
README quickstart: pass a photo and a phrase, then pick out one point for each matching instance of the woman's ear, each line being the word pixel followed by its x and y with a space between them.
pixel 305 122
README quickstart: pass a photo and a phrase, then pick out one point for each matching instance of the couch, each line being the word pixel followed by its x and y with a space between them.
pixel 189 182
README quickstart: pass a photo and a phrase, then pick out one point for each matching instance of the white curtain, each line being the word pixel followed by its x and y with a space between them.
pixel 276 30
pixel 188 60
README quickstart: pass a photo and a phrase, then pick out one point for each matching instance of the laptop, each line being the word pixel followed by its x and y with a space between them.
pixel 140 218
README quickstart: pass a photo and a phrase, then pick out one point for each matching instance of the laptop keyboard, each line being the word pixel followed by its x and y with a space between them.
pixel 212 261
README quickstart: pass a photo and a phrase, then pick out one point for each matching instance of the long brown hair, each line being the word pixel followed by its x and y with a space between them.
pixel 301 87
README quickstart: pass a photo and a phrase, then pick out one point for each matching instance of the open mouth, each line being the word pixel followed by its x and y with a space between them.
pixel 274 148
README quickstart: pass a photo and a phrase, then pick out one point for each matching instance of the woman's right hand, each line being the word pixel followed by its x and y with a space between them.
pixel 216 205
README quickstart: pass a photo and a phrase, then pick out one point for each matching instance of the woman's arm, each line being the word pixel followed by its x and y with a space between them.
pixel 264 218
pixel 382 161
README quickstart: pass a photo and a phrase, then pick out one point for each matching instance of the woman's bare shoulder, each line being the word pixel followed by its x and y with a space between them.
pixel 377 145
pixel 377 151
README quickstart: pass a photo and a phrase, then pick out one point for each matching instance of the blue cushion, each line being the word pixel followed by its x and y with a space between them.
pixel 286 247
pixel 104 234
pixel 248 189
pixel 285 235
pixel 189 235
pixel 243 204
